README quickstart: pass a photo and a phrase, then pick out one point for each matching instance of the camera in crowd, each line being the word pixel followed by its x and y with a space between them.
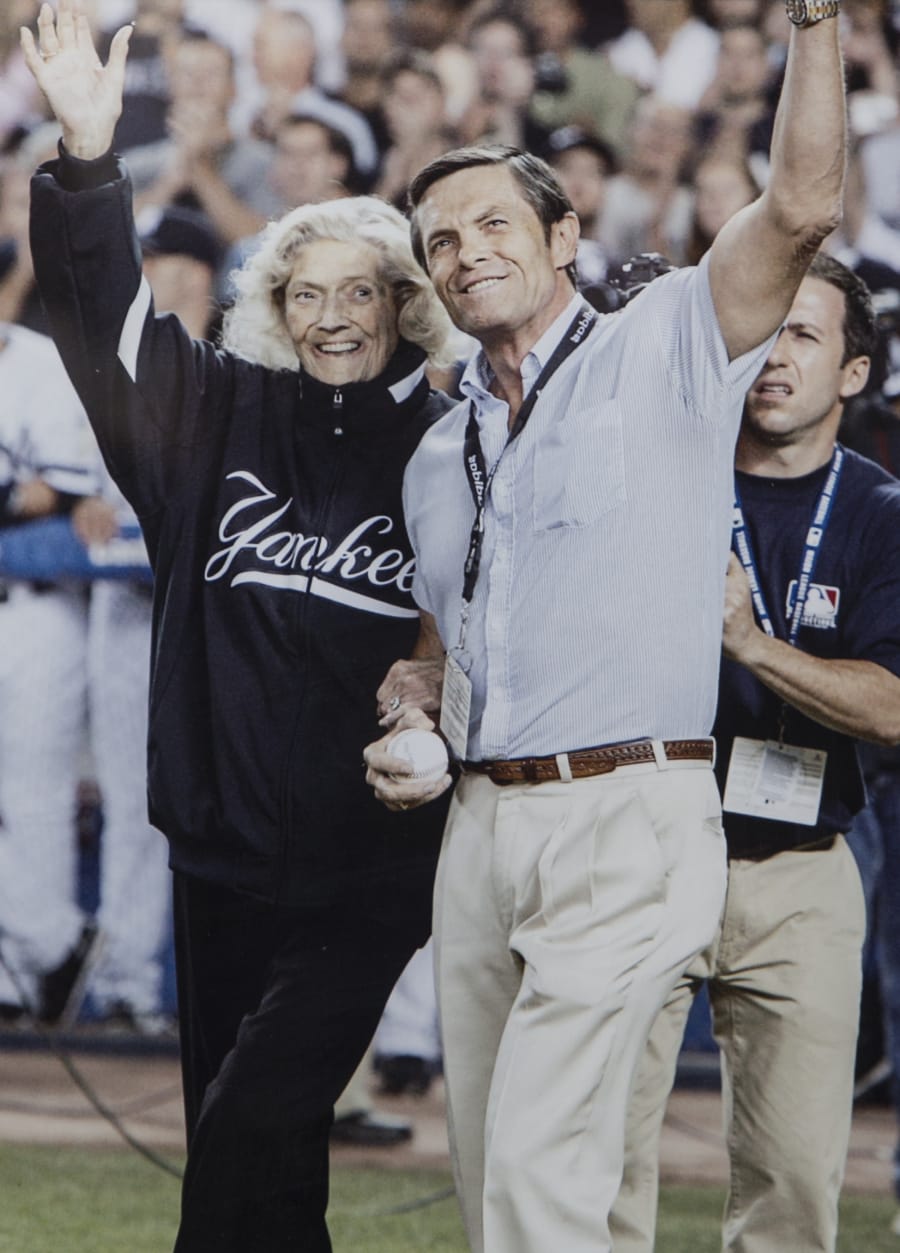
pixel 887 310
pixel 628 281
pixel 885 374
pixel 550 74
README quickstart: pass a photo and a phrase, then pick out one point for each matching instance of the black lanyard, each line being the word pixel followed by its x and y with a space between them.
pixel 477 473
pixel 811 549
pixel 815 534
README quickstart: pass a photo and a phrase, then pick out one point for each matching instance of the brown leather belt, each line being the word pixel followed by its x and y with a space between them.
pixel 589 761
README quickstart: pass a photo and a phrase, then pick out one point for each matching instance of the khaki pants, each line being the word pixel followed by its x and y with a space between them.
pixel 784 984
pixel 565 914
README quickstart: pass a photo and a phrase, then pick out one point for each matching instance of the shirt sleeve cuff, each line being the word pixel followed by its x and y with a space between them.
pixel 76 174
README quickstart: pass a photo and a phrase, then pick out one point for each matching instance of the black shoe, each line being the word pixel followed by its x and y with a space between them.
pixel 402 1073
pixel 370 1130
pixel 61 991
pixel 11 1015
pixel 122 1019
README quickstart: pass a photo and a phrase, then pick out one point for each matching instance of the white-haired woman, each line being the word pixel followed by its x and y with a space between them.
pixel 267 478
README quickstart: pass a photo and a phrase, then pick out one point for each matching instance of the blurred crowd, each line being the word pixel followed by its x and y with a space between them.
pixel 656 114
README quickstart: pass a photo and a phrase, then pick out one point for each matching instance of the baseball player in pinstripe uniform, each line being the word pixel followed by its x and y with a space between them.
pixel 45 467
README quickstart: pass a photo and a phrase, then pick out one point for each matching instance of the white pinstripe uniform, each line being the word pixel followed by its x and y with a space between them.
pixel 43 434
pixel 135 883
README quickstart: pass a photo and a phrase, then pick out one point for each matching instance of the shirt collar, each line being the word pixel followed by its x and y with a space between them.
pixel 478 375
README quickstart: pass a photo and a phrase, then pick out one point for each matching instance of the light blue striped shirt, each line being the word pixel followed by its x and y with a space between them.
pixel 597 615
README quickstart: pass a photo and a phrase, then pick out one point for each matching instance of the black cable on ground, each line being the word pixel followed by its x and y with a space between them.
pixel 65 1059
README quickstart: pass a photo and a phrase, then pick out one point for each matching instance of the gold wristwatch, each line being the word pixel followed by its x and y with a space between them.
pixel 808 12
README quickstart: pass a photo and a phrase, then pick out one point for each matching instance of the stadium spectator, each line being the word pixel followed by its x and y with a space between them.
pixel 721 185
pixel 201 164
pixel 724 13
pixel 46 466
pixel 415 115
pixel 880 154
pixel 430 24
pixel 284 55
pixel 159 25
pixel 648 204
pixel 864 241
pixel 575 85
pixel 583 164
pixel 19 299
pixel 312 162
pixel 866 39
pixel 667 51
pixel 736 114
pixel 603 22
pixel 504 48
pixel 21 106
pixel 372 37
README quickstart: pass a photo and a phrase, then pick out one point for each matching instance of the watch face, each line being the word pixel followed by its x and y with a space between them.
pixel 797 11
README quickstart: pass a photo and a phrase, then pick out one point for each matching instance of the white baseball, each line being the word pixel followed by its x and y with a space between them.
pixel 424 750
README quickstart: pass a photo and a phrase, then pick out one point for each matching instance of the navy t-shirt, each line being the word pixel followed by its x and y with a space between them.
pixel 852 612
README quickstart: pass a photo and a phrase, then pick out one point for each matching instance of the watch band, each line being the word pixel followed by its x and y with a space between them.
pixel 808 12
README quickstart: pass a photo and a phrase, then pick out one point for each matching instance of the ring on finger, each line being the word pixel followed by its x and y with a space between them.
pixel 394 703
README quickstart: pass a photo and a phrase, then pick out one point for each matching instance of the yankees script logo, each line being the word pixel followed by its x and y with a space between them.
pixel 294 561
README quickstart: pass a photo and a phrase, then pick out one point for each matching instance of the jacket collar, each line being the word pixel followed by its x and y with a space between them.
pixel 376 406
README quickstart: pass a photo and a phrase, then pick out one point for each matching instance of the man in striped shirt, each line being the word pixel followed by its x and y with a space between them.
pixel 579 606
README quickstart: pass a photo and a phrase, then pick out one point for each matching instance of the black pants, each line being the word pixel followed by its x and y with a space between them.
pixel 276 1009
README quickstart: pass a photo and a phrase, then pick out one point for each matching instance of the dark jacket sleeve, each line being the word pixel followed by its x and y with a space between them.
pixel 150 391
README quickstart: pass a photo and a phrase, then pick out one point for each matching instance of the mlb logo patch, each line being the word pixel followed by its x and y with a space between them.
pixel 821 608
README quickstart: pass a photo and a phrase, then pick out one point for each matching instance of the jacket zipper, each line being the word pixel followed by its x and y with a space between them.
pixel 337 409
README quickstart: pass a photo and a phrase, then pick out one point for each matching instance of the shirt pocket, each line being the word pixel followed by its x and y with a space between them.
pixel 579 468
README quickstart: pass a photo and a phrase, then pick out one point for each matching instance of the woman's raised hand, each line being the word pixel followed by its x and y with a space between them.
pixel 85 95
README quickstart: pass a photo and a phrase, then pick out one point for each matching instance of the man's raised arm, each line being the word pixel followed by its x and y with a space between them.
pixel 761 254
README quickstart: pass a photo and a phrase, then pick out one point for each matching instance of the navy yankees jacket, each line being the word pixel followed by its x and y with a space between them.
pixel 270 505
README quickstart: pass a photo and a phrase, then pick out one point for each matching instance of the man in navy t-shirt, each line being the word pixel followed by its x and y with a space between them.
pixel 811 664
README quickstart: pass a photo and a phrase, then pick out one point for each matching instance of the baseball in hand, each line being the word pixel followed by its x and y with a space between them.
pixel 424 750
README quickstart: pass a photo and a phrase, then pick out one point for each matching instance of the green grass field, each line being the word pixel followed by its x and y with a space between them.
pixel 72 1200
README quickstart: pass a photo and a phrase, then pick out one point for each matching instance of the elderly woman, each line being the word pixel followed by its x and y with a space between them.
pixel 267 480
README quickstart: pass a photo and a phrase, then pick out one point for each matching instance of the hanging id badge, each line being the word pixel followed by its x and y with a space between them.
pixel 781 782
pixel 456 702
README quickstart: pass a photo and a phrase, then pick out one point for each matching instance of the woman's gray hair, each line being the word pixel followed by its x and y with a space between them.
pixel 254 327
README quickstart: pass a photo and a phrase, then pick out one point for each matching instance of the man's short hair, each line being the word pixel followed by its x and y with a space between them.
pixel 537 180
pixel 411 61
pixel 570 138
pixel 338 142
pixel 510 16
pixel 860 325
pixel 199 35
